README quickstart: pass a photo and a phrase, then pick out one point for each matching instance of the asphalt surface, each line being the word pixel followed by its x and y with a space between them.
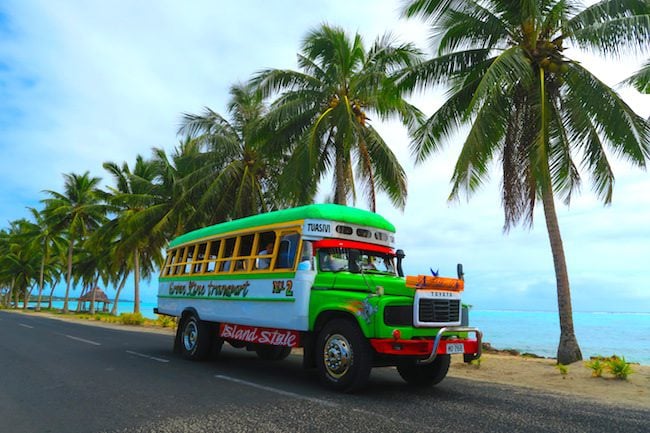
pixel 58 376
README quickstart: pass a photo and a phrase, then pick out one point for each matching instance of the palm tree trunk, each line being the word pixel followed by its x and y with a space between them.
pixel 92 298
pixel 49 302
pixel 568 350
pixel 40 285
pixel 117 294
pixel 68 277
pixel 136 282
pixel 12 291
pixel 28 293
pixel 339 181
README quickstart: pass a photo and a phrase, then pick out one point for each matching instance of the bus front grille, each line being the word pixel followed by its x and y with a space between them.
pixel 439 310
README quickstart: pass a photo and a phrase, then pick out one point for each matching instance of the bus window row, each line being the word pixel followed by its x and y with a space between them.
pixel 261 251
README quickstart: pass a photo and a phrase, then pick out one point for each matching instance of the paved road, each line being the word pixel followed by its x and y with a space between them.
pixel 58 376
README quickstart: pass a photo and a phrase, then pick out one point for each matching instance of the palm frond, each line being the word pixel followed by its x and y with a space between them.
pixel 640 80
pixel 627 133
pixel 612 27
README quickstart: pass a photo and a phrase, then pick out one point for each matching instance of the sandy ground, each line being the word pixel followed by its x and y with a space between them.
pixel 543 374
pixel 536 373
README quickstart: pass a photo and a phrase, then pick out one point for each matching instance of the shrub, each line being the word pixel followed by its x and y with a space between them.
pixel 619 367
pixel 166 321
pixel 597 366
pixel 131 319
pixel 564 369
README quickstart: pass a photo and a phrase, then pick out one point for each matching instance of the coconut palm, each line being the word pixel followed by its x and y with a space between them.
pixel 50 241
pixel 131 237
pixel 322 116
pixel 77 211
pixel 20 260
pixel 543 116
pixel 175 208
pixel 234 176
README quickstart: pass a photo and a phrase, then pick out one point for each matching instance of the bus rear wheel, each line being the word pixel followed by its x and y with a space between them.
pixel 343 356
pixel 423 375
pixel 195 338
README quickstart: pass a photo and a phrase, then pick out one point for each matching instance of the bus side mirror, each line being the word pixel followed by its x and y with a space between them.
pixel 459 271
pixel 400 256
pixel 353 261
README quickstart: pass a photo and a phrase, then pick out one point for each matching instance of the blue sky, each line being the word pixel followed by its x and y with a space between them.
pixel 84 82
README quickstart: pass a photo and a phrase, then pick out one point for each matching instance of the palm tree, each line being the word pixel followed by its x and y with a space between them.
pixel 20 260
pixel 175 209
pixel 136 243
pixel 77 210
pixel 43 234
pixel 323 114
pixel 531 107
pixel 234 176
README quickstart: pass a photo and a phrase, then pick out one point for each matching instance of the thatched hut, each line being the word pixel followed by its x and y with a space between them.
pixel 100 297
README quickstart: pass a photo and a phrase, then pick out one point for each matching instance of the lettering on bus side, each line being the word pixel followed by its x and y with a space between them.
pixel 280 286
pixel 253 334
pixel 193 289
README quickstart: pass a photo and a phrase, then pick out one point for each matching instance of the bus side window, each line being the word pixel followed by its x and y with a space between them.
pixel 188 260
pixel 178 269
pixel 171 254
pixel 212 257
pixel 200 258
pixel 244 253
pixel 225 261
pixel 266 247
pixel 306 262
pixel 287 251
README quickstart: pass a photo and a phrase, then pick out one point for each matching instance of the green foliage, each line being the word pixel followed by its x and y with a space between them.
pixel 615 365
pixel 543 117
pixel 597 366
pixel 322 116
pixel 165 321
pixel 132 319
pixel 619 367
pixel 476 363
pixel 564 369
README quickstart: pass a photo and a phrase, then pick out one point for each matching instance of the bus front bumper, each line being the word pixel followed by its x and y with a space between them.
pixel 447 342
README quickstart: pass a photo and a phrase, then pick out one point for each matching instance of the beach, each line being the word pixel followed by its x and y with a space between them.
pixel 543 374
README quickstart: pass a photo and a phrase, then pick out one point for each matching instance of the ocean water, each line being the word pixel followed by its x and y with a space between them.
pixel 146 308
pixel 538 332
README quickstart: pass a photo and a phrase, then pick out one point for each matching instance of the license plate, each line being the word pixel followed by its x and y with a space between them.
pixel 453 348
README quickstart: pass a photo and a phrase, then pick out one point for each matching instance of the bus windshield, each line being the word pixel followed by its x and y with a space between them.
pixel 341 259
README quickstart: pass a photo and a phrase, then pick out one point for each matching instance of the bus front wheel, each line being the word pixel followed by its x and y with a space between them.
pixel 343 356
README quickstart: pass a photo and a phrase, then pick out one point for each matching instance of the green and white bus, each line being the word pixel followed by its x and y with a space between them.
pixel 323 277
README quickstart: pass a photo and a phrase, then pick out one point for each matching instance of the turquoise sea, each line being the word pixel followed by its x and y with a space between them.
pixel 538 332
pixel 598 333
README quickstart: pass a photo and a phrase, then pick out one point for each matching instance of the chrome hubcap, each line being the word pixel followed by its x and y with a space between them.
pixel 337 355
pixel 189 335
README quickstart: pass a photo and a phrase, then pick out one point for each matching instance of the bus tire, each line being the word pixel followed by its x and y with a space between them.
pixel 195 339
pixel 272 353
pixel 424 375
pixel 343 357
